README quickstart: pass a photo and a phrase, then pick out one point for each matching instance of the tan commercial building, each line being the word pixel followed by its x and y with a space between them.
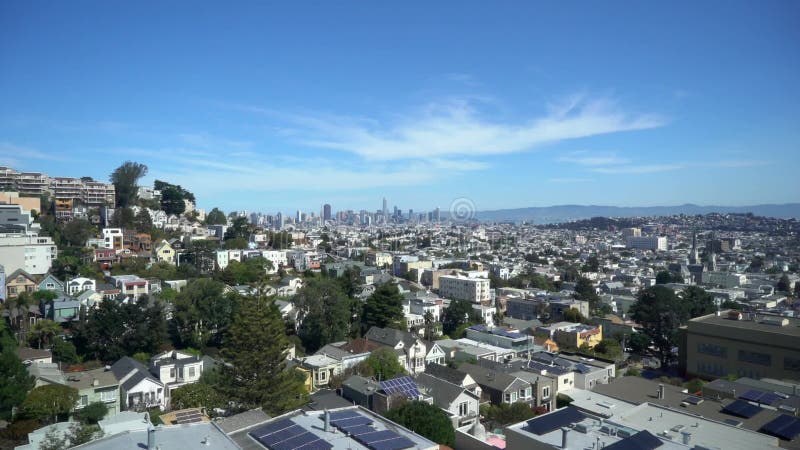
pixel 458 287
pixel 741 344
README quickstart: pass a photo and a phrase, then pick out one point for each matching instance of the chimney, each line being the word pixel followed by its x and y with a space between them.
pixel 151 438
pixel 95 382
pixel 661 392
pixel 327 421
pixel 564 437
pixel 687 437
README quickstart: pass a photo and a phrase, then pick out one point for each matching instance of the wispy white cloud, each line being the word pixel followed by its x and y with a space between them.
pixel 584 158
pixel 466 79
pixel 13 155
pixel 457 128
pixel 733 163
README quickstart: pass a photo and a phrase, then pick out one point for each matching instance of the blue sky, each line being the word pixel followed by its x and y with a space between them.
pixel 277 106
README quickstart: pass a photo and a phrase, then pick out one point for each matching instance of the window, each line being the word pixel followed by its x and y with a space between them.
pixel 762 359
pixel 108 396
pixel 463 409
pixel 792 364
pixel 84 401
pixel 712 349
pixel 545 392
pixel 323 375
pixel 172 372
pixel 508 397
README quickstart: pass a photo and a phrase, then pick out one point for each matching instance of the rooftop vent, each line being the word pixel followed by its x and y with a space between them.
pixel 734 315
pixel 776 321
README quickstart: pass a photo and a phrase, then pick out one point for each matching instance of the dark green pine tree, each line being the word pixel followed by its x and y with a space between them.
pixel 384 307
pixel 254 372
pixel 15 382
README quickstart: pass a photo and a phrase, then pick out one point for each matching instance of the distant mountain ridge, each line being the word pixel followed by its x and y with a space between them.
pixel 565 213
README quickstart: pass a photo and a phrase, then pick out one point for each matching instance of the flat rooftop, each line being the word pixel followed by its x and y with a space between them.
pixel 746 323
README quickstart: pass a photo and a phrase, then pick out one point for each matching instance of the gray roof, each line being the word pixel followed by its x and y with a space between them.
pixel 443 392
pixel 445 373
pixel 326 399
pixel 242 420
pixel 360 384
pixel 186 436
pixel 126 365
pixel 390 336
pixel 491 378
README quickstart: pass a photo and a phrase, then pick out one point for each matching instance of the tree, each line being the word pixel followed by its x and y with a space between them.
pixel 784 285
pixel 43 333
pixel 123 217
pixel 125 179
pixel 112 330
pixel 197 395
pixel 584 290
pixel 426 420
pixel 240 228
pixel 697 301
pixel 663 277
pixel 15 381
pixel 93 412
pixel 216 217
pixel 384 307
pixel 202 313
pixel 639 342
pixel 81 433
pixel 324 313
pixel 77 231
pixel 609 348
pixel 592 265
pixel 383 364
pixel 573 315
pixel 460 313
pixel 504 414
pixel 46 403
pixel 254 351
pixel 142 222
pixel 172 200
pixel 65 351
pixel 660 312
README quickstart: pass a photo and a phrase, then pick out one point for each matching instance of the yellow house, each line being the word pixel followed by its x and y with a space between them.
pixel 18 282
pixel 164 252
pixel 568 334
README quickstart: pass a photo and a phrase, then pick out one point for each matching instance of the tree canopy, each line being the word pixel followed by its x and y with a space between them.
pixel 254 351
pixel 48 402
pixel 460 313
pixel 172 197
pixel 382 364
pixel 660 312
pixel 202 313
pixel 426 420
pixel 125 179
pixel 325 313
pixel 15 381
pixel 384 307
pixel 216 217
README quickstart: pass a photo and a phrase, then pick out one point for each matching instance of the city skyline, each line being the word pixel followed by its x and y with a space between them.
pixel 629 105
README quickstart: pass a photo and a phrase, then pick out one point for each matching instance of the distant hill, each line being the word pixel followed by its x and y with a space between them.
pixel 565 213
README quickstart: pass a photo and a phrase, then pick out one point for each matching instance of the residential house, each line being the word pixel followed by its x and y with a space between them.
pixel 50 283
pixel 460 405
pixel 175 369
pixel 139 390
pixel 98 385
pixel 19 281
pixel 454 376
pixel 405 343
pixel 46 373
pixel 499 387
pixel 89 298
pixel 164 252
pixel 130 285
pixel 347 358
pixel 61 310
pixel 80 284
pixel 105 257
pixel 360 390
pixel 319 370
pixel 30 355
pixel 113 238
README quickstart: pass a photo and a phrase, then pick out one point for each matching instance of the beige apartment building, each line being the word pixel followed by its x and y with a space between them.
pixel 741 344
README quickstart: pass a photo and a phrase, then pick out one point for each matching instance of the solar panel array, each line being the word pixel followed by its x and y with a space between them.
pixel 693 400
pixel 403 385
pixel 189 417
pixel 784 426
pixel 741 408
pixel 554 420
pixel 359 428
pixel 643 440
pixel 766 398
pixel 286 435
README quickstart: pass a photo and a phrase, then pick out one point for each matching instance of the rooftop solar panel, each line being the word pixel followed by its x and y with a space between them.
pixel 752 395
pixel 316 445
pixel 397 443
pixel 343 414
pixel 554 420
pixel 351 421
pixel 643 440
pixel 693 400
pixel 357 429
pixel 741 408
pixel 296 441
pixel 377 436
pixel 402 386
pixel 784 426
pixel 271 428
pixel 768 398
pixel 271 440
pixel 733 422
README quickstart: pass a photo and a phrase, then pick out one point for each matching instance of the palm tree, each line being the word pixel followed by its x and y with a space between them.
pixel 44 332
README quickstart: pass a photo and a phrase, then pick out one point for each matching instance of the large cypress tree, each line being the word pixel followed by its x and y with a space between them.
pixel 15 382
pixel 384 307
pixel 254 371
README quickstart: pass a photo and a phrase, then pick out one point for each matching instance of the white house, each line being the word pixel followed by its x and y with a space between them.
pixel 175 369
pixel 461 405
pixel 80 284
pixel 413 347
pixel 138 389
